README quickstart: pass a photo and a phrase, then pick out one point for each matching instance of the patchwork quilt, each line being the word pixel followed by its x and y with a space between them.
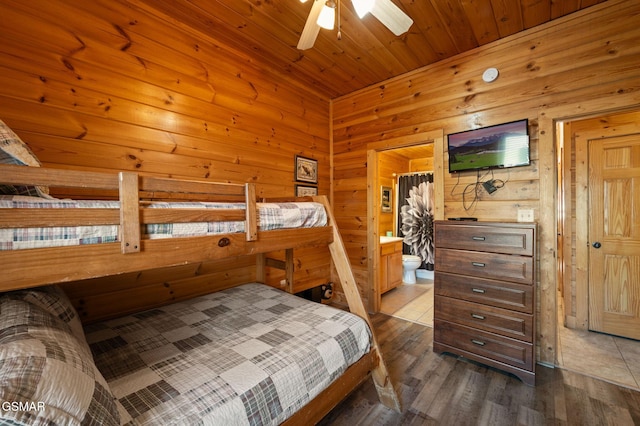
pixel 247 355
pixel 271 216
pixel 47 373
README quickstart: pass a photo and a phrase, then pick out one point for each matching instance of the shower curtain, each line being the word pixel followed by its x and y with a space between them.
pixel 415 216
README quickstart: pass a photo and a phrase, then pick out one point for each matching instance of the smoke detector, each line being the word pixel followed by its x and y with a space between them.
pixel 490 74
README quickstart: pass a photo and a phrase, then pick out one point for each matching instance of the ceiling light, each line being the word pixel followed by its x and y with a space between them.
pixel 363 7
pixel 327 16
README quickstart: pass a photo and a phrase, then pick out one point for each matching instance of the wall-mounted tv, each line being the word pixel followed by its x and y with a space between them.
pixel 499 146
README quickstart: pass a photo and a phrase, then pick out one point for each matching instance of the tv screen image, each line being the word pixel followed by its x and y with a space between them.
pixel 499 146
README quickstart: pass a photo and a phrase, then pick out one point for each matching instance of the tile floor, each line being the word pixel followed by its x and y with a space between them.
pixel 614 359
pixel 610 358
pixel 411 302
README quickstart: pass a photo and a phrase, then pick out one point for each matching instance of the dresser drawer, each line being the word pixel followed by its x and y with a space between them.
pixel 492 346
pixel 485 265
pixel 502 294
pixel 514 239
pixel 496 320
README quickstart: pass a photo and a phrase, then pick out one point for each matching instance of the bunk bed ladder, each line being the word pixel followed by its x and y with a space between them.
pixel 386 392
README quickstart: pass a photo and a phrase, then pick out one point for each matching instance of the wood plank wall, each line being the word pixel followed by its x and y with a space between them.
pixel 105 85
pixel 388 164
pixel 584 64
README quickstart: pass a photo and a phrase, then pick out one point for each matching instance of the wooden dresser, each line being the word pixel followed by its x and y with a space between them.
pixel 484 304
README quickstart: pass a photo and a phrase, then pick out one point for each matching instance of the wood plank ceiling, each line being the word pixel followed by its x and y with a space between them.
pixel 267 32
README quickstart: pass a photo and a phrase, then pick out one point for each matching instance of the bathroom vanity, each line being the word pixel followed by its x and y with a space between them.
pixel 390 263
pixel 484 303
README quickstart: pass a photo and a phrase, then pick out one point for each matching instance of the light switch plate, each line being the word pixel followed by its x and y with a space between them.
pixel 525 215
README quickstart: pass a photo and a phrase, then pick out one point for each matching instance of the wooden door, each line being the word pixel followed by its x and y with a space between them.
pixel 614 235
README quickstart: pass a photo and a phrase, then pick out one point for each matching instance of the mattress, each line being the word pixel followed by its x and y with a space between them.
pixel 247 355
pixel 271 216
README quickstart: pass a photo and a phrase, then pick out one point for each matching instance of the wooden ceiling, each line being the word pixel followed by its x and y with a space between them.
pixel 415 151
pixel 267 32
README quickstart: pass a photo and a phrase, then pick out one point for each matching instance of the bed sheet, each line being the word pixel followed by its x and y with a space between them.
pixel 248 355
pixel 271 216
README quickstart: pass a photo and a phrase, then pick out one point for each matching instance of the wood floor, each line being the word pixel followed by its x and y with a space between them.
pixel 448 390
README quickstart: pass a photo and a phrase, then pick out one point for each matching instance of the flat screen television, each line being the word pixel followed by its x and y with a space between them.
pixel 493 147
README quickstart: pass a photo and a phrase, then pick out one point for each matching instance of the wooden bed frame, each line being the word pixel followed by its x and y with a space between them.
pixel 34 267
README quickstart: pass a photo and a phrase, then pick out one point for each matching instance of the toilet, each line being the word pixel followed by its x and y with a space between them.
pixel 409 265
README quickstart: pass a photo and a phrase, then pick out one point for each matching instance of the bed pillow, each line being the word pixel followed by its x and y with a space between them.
pixel 47 375
pixel 53 299
pixel 14 151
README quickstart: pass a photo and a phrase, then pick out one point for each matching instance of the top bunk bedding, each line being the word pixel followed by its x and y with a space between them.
pixel 37 221
pixel 270 216
pixel 156 222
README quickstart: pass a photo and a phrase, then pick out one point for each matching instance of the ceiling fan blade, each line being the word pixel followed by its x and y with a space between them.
pixel 391 16
pixel 311 27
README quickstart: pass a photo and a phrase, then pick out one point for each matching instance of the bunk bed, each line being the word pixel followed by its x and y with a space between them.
pixel 30 293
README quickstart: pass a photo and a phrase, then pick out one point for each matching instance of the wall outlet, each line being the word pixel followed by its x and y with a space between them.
pixel 525 215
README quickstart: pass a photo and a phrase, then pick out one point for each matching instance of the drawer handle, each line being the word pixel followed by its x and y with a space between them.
pixel 477 342
pixel 476 316
pixel 478 264
pixel 478 290
pixel 478 238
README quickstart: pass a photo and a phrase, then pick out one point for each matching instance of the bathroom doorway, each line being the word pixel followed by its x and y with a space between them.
pixel 383 167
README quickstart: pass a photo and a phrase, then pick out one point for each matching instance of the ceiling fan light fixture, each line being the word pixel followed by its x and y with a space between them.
pixel 327 17
pixel 323 15
pixel 363 7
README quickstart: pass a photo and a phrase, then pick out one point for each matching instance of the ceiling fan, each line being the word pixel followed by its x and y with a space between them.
pixel 322 15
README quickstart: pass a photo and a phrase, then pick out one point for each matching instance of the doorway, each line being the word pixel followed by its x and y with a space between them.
pixel 585 277
pixel 408 301
pixel 383 166
pixel 434 138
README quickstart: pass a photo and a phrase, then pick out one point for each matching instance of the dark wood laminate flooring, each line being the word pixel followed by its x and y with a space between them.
pixel 447 390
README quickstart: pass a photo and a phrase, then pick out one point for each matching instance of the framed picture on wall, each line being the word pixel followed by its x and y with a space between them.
pixel 386 198
pixel 306 191
pixel 306 169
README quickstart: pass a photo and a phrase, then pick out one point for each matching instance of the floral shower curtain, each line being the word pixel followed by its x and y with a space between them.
pixel 415 216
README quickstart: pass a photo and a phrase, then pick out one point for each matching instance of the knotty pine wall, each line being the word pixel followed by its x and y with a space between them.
pixel 105 86
pixel 584 64
pixel 388 164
